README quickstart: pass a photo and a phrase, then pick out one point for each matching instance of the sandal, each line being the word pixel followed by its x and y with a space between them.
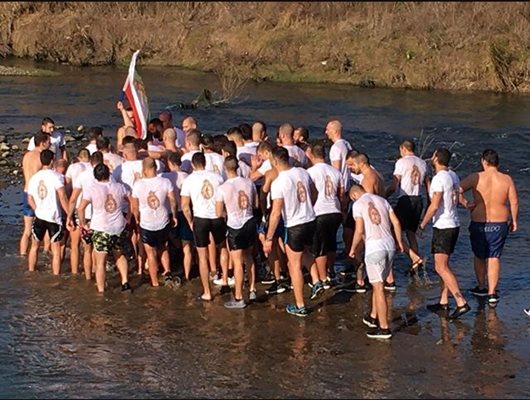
pixel 415 265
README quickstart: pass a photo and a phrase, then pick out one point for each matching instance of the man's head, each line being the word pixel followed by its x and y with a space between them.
pixel 359 162
pixel 349 158
pixel 96 158
pixel 148 167
pixel 229 149
pixel 169 136
pixel 130 152
pixel 103 144
pixel 193 139
pixel 280 157
pixel 166 118
pixel 198 161
pixel 334 130
pixel 60 166
pixel 42 140
pixel 83 155
pixel 259 131
pixel 264 150
pixel 316 152
pixel 47 125
pixel 246 132
pixel 356 191
pixel 234 134
pixel 155 128
pixel 188 123
pixel 441 157
pixel 231 165
pixel 46 158
pixel 285 134
pixel 101 172
pixel 407 147
pixel 94 133
pixel 218 142
pixel 301 135
pixel 174 160
pixel 490 158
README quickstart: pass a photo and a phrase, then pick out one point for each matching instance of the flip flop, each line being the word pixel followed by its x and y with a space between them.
pixel 415 265
pixel 200 299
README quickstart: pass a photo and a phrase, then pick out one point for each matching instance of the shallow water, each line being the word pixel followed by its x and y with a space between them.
pixel 60 339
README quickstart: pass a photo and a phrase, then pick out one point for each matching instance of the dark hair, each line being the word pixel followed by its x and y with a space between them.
pixel 264 146
pixel 46 157
pixel 194 137
pixel 235 130
pixel 246 131
pixel 95 132
pixel 101 172
pixel 409 145
pixel 231 148
pixel 352 153
pixel 96 158
pixel 156 122
pixel 231 163
pixel 281 154
pixel 218 142
pixel 168 113
pixel 41 137
pixel 84 151
pixel 47 120
pixel 491 157
pixel 304 132
pixel 207 141
pixel 198 160
pixel 174 158
pixel 318 150
pixel 362 157
pixel 443 155
pixel 128 140
pixel 102 143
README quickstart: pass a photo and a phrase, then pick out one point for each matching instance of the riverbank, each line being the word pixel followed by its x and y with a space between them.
pixel 455 46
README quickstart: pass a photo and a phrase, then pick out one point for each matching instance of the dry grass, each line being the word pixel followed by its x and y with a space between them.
pixel 433 45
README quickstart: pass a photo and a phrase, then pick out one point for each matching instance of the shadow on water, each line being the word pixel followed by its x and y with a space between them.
pixel 61 339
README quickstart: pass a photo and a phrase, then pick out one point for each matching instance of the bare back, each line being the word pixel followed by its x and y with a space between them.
pixel 491 194
pixel 373 182
pixel 30 165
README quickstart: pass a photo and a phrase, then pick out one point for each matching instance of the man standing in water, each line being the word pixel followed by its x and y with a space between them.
pixel 30 165
pixel 107 224
pixel 47 197
pixel 292 193
pixel 444 194
pixel 492 191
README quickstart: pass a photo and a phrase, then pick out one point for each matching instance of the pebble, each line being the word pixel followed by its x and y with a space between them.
pixel 15 172
pixel 2 138
pixel 6 154
pixel 4 147
pixel 3 162
pixel 15 147
pixel 26 140
pixel 80 128
pixel 69 138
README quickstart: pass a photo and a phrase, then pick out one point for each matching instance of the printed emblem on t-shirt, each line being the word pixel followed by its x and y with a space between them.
pixel 300 192
pixel 374 215
pixel 328 187
pixel 207 189
pixel 42 190
pixel 242 200
pixel 415 175
pixel 110 204
pixel 216 169
pixel 153 201
pixel 137 175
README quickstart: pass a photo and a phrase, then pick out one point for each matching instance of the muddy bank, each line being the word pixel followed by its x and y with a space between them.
pixel 464 46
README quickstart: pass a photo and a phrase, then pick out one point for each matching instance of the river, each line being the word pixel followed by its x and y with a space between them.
pixel 59 339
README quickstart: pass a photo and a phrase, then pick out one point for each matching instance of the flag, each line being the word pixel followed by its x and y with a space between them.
pixel 134 89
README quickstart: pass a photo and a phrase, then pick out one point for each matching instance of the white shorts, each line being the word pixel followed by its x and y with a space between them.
pixel 378 265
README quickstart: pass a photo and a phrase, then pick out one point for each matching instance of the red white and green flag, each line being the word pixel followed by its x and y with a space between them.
pixel 134 89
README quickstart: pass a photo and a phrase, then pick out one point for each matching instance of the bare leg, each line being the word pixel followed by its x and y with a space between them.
pixel 380 304
pixel 87 260
pixel 33 254
pixel 224 261
pixel 121 263
pixel 297 278
pixel 413 243
pixel 314 273
pixel 47 243
pixel 26 235
pixel 480 271
pixel 75 238
pixel 494 273
pixel 153 264
pixel 186 250
pixel 204 272
pixel 441 265
pixel 251 268
pixel 164 258
pixel 101 259
pixel 56 257
pixel 237 262
pixel 212 256
pixel 322 266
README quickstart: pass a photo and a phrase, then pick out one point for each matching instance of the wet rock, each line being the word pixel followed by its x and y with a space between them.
pixel 69 138
pixel 80 128
pixel 3 163
pixel 2 138
pixel 6 154
pixel 15 172
pixel 26 140
pixel 15 147
pixel 4 147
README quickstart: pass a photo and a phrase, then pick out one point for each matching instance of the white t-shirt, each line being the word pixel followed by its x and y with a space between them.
pixel 107 200
pixel 186 161
pixel 128 172
pixel 112 161
pixel 412 171
pixel 214 162
pixel 293 186
pixel 74 171
pixel 245 153
pixel 56 142
pixel 448 183
pixel 92 148
pixel 152 195
pixel 295 154
pixel 201 186
pixel 265 166
pixel 43 187
pixel 338 152
pixel 237 194
pixel 327 180
pixel 86 178
pixel 243 171
pixel 375 211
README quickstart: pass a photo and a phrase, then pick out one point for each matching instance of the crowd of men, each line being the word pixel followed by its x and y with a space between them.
pixel 226 200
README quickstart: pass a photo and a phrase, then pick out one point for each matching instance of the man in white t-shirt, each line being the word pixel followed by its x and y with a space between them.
pixel 410 176
pixel 297 157
pixel 374 220
pixel 111 160
pixel 94 134
pixel 57 143
pixel 47 197
pixel 444 193
pixel 238 196
pixel 214 160
pixel 229 149
pixel 339 151
pixel 244 153
pixel 107 224
pixel 193 142
pixel 149 197
pixel 328 183
pixel 199 189
pixel 292 194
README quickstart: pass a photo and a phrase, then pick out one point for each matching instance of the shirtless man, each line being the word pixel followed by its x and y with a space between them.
pixel 47 197
pixel 127 129
pixel 30 165
pixel 490 215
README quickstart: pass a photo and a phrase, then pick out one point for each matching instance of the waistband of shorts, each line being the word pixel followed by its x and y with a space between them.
pixel 476 223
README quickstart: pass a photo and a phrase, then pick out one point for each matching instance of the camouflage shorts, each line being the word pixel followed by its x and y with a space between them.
pixel 106 243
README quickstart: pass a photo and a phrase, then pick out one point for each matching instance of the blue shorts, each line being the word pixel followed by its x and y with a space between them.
pixel 27 211
pixel 487 238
